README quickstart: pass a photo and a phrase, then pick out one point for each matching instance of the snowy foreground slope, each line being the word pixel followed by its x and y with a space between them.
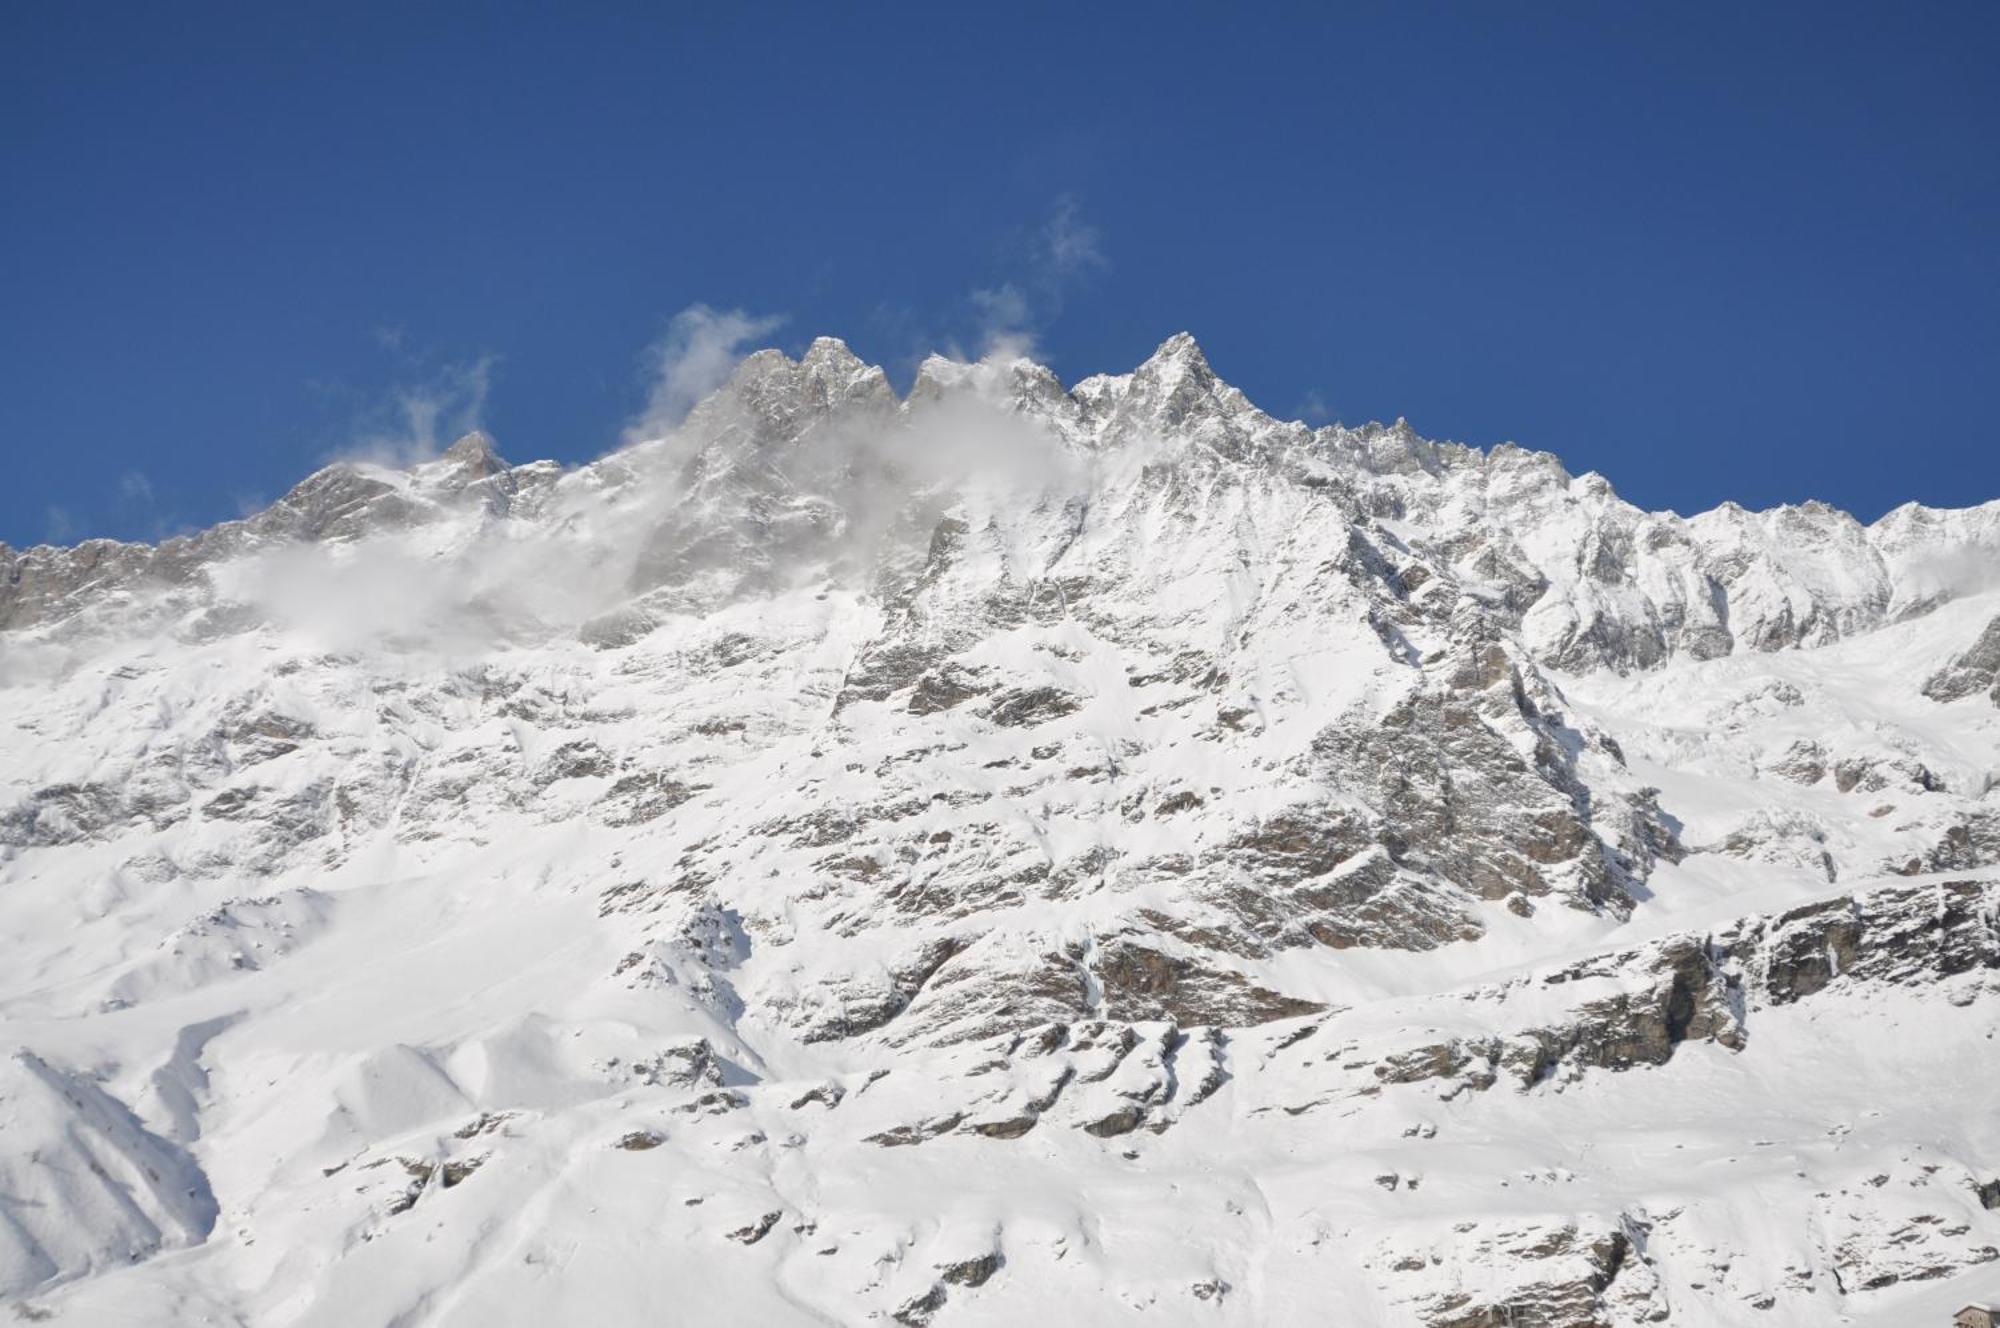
pixel 1010 854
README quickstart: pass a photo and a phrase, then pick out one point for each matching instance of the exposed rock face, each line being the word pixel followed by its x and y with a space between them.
pixel 961 857
pixel 1977 670
pixel 1969 842
pixel 1708 988
pixel 1910 937
pixel 1557 1275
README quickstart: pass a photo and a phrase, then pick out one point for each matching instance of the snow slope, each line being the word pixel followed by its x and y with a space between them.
pixel 1009 851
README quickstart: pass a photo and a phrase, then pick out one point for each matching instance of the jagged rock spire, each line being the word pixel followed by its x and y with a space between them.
pixel 475 456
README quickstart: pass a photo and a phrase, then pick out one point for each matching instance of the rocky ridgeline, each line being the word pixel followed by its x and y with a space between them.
pixel 767 469
pixel 1617 1011
pixel 1976 670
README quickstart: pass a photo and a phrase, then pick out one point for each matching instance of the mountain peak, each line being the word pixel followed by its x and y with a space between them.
pixel 475 452
pixel 831 353
pixel 1179 350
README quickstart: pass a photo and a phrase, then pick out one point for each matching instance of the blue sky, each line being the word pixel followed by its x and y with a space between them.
pixel 1713 251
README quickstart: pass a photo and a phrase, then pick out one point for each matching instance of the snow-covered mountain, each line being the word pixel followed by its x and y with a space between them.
pixel 1007 853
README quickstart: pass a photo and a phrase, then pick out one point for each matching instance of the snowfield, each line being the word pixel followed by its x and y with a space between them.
pixel 1010 853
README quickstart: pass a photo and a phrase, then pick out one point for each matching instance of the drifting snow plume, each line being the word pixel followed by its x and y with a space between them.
pixel 700 348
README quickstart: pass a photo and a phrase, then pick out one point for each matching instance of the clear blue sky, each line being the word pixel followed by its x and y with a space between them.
pixel 1712 250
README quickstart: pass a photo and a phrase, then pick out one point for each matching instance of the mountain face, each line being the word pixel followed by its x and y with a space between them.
pixel 962 858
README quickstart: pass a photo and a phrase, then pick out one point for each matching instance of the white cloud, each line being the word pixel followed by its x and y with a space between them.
pixel 1071 245
pixel 700 348
pixel 1060 253
pixel 134 489
pixel 1005 320
pixel 420 419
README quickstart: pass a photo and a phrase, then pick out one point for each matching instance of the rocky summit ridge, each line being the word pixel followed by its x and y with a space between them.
pixel 954 856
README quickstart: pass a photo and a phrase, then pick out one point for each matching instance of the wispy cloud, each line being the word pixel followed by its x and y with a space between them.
pixel 1314 410
pixel 1005 318
pixel 700 348
pixel 1072 245
pixel 139 507
pixel 420 417
pixel 134 489
pixel 131 512
pixel 1059 253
